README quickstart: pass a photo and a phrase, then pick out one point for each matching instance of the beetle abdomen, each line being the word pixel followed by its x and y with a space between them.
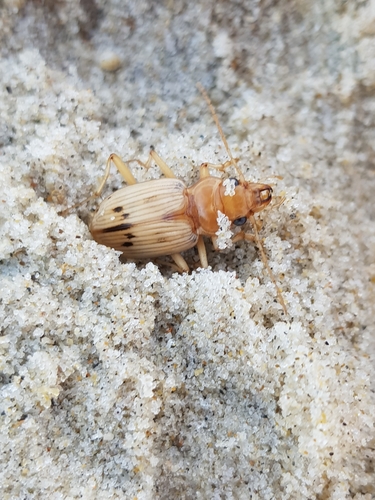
pixel 146 220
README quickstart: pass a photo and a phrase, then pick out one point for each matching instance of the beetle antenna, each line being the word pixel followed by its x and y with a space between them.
pixel 266 265
pixel 216 120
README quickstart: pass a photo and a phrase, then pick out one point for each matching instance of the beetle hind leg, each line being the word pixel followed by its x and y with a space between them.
pixel 180 262
pixel 180 265
pixel 201 247
pixel 121 167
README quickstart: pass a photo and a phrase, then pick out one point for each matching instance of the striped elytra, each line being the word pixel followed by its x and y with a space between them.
pixel 146 220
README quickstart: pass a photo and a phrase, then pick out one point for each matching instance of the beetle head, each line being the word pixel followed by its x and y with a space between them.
pixel 247 199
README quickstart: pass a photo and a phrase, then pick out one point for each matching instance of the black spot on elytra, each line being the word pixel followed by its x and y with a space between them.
pixel 130 236
pixel 127 244
pixel 117 209
pixel 125 216
pixel 119 227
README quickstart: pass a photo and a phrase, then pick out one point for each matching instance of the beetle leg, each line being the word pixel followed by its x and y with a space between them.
pixel 243 236
pixel 159 162
pixel 181 262
pixel 204 168
pixel 214 243
pixel 121 167
pixel 202 252
pixel 161 262
pixel 203 171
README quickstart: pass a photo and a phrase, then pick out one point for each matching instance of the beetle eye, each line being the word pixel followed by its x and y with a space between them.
pixel 240 222
pixel 236 182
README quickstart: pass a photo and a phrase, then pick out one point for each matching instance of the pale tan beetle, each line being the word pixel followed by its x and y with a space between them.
pixel 165 217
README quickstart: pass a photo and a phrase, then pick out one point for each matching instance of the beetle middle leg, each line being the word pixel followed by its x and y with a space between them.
pixel 242 235
pixel 181 265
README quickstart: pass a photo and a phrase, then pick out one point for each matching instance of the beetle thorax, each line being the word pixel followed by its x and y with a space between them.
pixel 204 204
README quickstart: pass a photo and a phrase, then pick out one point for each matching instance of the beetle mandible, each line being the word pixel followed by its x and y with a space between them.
pixel 165 217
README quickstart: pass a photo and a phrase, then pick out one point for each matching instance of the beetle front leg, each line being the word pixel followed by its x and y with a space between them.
pixel 214 243
pixel 204 168
pixel 243 236
pixel 153 156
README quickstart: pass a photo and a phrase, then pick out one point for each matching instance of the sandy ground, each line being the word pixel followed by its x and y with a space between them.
pixel 125 380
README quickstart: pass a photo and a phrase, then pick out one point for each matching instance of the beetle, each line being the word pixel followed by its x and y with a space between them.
pixel 166 217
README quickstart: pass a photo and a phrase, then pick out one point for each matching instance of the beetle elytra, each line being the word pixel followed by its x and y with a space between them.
pixel 165 217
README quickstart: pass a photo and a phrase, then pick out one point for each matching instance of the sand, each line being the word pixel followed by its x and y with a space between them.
pixel 127 380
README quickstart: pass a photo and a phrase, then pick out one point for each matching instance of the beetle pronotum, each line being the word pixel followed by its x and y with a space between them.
pixel 165 217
